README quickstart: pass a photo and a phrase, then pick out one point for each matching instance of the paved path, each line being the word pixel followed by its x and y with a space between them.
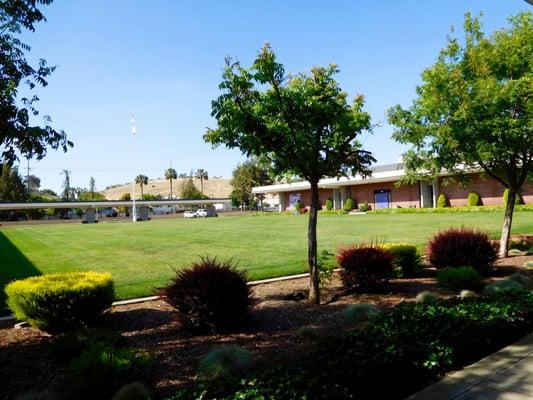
pixel 504 375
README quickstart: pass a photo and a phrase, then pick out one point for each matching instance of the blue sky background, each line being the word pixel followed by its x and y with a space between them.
pixel 162 60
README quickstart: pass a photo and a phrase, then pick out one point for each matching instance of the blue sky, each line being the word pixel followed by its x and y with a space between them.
pixel 162 60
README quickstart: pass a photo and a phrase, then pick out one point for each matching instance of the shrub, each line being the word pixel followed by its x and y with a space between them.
pixel 298 205
pixel 406 260
pixel 522 279
pixel 101 370
pixel 72 344
pixel 517 200
pixel 362 312
pixel 61 302
pixel 210 295
pixel 365 268
pixel 442 201
pixel 349 204
pixel 308 333
pixel 522 244
pixel 462 247
pixel 427 297
pixel 226 362
pixel 133 391
pixel 329 204
pixel 467 293
pixel 459 278
pixel 364 207
pixel 474 199
pixel 507 285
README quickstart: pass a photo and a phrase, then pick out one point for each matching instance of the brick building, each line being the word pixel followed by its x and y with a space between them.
pixel 379 190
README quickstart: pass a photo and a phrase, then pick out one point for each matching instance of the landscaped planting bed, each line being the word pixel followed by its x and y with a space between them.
pixel 274 338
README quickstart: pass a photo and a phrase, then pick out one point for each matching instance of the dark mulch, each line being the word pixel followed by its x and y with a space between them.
pixel 25 362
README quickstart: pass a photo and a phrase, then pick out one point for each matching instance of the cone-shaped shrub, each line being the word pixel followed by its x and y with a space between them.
pixel 349 204
pixel 365 268
pixel 329 204
pixel 474 199
pixel 442 201
pixel 462 247
pixel 210 295
pixel 61 302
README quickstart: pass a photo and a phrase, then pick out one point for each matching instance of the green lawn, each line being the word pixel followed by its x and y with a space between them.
pixel 142 256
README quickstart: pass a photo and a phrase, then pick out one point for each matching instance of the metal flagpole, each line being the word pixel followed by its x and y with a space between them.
pixel 133 132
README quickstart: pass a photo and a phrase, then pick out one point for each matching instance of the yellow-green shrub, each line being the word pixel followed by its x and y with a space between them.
pixel 61 302
pixel 406 260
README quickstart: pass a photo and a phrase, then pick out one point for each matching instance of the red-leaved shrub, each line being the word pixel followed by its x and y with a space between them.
pixel 210 295
pixel 459 247
pixel 365 267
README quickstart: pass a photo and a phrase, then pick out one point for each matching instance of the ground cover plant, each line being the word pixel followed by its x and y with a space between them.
pixel 61 302
pixel 402 350
pixel 142 256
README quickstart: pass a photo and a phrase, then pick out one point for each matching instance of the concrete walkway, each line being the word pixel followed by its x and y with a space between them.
pixel 504 375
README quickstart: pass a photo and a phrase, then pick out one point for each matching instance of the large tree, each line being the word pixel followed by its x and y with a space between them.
pixel 68 192
pixel 189 191
pixel 12 187
pixel 18 135
pixel 474 111
pixel 303 124
pixel 171 174
pixel 141 180
pixel 203 176
pixel 245 176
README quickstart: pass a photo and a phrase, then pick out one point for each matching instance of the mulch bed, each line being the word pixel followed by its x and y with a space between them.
pixel 25 362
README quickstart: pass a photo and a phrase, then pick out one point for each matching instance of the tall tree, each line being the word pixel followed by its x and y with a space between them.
pixel 141 180
pixel 475 109
pixel 67 193
pixel 245 176
pixel 33 183
pixel 171 174
pixel 203 176
pixel 17 134
pixel 189 190
pixel 303 124
pixel 12 187
pixel 92 185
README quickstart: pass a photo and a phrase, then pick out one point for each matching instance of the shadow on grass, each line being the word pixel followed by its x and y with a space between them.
pixel 13 265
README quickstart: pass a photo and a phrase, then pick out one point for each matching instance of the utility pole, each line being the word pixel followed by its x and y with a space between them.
pixel 28 176
pixel 133 133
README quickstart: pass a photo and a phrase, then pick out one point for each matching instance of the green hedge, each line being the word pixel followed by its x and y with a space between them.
pixel 447 210
pixel 403 350
pixel 61 302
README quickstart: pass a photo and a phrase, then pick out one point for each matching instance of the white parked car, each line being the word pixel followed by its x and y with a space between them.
pixel 190 214
pixel 206 212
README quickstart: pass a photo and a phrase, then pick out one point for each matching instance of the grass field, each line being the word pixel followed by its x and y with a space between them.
pixel 142 256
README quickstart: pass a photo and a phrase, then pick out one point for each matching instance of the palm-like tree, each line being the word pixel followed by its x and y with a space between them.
pixel 141 180
pixel 203 176
pixel 171 174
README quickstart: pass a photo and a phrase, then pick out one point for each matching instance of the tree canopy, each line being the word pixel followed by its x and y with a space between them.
pixel 474 108
pixel 18 135
pixel 302 124
pixel 246 176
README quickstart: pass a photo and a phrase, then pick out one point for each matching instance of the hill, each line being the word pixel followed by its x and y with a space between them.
pixel 218 188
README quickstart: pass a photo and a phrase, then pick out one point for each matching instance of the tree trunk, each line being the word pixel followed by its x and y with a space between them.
pixel 170 189
pixel 142 194
pixel 314 289
pixel 507 221
pixel 202 185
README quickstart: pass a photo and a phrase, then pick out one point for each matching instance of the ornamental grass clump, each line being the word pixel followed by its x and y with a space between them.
pixel 58 303
pixel 209 296
pixel 226 363
pixel 507 285
pixel 459 247
pixel 365 267
pixel 427 297
pixel 362 312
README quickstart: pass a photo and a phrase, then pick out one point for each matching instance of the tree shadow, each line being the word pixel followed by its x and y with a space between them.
pixel 13 265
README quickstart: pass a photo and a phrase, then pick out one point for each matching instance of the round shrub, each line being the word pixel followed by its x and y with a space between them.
pixel 361 312
pixel 365 268
pixel 349 204
pixel 459 278
pixel 406 260
pixel 61 302
pixel 226 362
pixel 329 204
pixel 507 285
pixel 442 201
pixel 427 297
pixel 462 247
pixel 133 391
pixel 364 207
pixel 474 199
pixel 210 295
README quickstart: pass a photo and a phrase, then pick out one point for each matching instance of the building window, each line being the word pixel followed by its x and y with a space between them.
pixel 382 199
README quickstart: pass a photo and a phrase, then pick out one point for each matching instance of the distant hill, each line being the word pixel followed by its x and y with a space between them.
pixel 219 188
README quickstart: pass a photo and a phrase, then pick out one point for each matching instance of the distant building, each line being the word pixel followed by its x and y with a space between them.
pixel 379 190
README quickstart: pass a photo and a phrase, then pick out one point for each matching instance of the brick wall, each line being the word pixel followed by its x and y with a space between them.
pixel 306 197
pixel 489 189
pixel 405 196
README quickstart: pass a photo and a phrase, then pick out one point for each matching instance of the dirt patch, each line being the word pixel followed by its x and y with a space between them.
pixel 25 362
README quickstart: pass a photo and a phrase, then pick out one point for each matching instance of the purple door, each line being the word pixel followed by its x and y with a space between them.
pixel 382 199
